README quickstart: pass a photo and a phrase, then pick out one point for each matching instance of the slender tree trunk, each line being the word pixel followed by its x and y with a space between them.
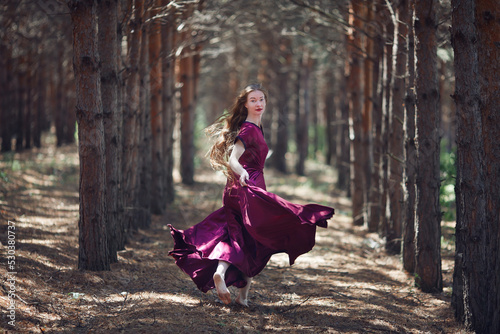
pixel 367 137
pixel 94 252
pixel 4 100
pixel 476 283
pixel 375 193
pixel 130 119
pixel 344 163
pixel 144 131
pixel 428 213
pixel 157 193
pixel 108 23
pixel 396 126
pixel 354 89
pixel 329 114
pixel 281 148
pixel 302 121
pixel 21 105
pixel 28 102
pixel 387 84
pixel 187 119
pixel 168 76
pixel 40 102
pixel 408 247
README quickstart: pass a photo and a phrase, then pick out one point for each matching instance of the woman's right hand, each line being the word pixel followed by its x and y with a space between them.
pixel 244 177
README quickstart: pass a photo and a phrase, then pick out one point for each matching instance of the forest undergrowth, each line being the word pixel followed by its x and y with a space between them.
pixel 346 284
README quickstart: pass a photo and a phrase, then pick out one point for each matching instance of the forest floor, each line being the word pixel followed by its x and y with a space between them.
pixel 346 284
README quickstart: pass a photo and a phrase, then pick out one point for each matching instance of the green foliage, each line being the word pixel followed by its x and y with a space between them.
pixel 4 177
pixel 448 179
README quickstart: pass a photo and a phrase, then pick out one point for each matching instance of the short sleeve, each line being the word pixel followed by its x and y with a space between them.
pixel 245 135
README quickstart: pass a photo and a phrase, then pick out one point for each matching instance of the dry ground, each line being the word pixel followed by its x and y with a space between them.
pixel 346 284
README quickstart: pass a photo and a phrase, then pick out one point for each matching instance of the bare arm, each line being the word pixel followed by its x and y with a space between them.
pixel 235 165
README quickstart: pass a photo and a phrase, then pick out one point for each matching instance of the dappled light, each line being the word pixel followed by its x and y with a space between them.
pixel 346 284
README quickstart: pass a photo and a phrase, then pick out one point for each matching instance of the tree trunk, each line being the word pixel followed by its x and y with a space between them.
pixel 476 283
pixel 112 117
pixel 344 161
pixel 374 209
pixel 168 88
pixel 60 111
pixel 388 78
pixel 428 213
pixel 408 247
pixel 40 102
pixel 187 118
pixel 21 105
pixel 396 129
pixel 29 90
pixel 130 114
pixel 281 147
pixel 330 111
pixel 94 253
pixel 368 98
pixel 157 193
pixel 354 89
pixel 144 131
pixel 4 105
pixel 302 121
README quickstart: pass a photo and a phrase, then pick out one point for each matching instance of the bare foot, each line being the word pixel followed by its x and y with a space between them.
pixel 222 290
pixel 241 301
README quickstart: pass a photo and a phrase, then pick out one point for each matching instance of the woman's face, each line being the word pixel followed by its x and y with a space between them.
pixel 256 104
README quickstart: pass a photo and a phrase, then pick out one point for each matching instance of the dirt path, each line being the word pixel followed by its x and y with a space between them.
pixel 346 284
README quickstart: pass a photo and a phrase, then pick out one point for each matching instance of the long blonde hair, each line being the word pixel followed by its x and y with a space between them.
pixel 225 129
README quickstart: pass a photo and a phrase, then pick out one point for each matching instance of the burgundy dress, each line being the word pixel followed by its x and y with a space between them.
pixel 252 225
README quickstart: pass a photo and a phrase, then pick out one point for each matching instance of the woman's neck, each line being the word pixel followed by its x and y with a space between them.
pixel 256 121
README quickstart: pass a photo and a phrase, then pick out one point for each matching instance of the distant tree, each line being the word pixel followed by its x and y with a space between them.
pixel 94 252
pixel 158 164
pixel 168 90
pixel 303 111
pixel 145 149
pixel 354 90
pixel 428 214
pixel 283 105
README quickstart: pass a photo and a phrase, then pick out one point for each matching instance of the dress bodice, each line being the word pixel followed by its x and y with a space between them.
pixel 256 148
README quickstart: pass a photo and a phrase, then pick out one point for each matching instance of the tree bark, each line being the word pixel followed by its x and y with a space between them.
pixel 302 120
pixel 108 23
pixel 157 193
pixel 94 252
pixel 281 147
pixel 168 89
pixel 354 89
pixel 396 129
pixel 428 214
pixel 375 191
pixel 330 112
pixel 476 285
pixel 368 98
pixel 144 130
pixel 408 247
pixel 387 83
pixel 187 119
pixel 130 119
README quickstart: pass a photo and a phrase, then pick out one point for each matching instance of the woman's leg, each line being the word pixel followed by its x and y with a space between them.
pixel 242 299
pixel 220 284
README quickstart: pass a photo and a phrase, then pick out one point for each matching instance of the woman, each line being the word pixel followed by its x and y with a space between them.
pixel 235 242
